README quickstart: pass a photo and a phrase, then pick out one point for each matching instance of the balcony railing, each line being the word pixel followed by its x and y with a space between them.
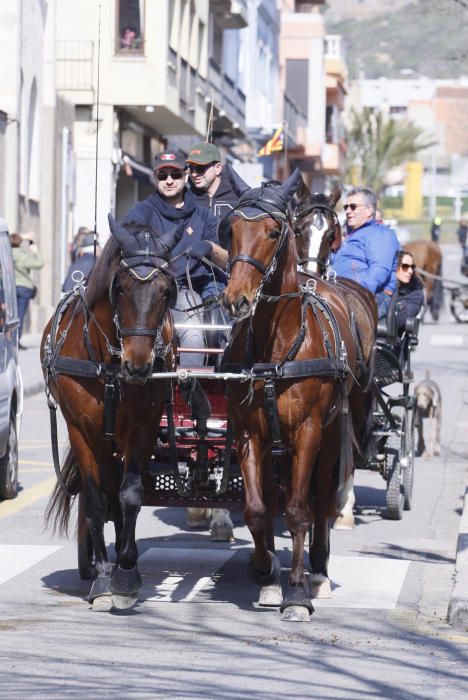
pixel 74 65
pixel 227 96
pixel 137 48
pixel 295 119
pixel 230 14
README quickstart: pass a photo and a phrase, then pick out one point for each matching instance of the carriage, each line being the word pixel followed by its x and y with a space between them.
pixel 283 394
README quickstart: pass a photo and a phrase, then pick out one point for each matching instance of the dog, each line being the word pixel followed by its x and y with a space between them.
pixel 428 405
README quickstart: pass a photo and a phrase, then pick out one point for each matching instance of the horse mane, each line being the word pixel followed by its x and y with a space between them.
pixel 101 274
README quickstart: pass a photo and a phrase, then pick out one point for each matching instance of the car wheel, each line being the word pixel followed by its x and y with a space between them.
pixel 9 464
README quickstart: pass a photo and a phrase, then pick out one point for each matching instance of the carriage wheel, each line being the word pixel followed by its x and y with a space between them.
pixel 395 493
pixel 408 471
pixel 85 549
pixel 459 304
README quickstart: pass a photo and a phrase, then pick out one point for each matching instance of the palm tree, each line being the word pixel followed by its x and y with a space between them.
pixel 377 143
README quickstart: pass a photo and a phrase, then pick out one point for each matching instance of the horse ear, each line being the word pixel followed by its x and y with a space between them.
pixel 120 233
pixel 168 240
pixel 289 186
pixel 335 195
pixel 337 239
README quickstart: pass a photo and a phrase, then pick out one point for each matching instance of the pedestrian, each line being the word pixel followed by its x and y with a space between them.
pixel 83 262
pixel 462 232
pixel 435 229
pixel 368 254
pixel 410 297
pixel 82 231
pixel 26 257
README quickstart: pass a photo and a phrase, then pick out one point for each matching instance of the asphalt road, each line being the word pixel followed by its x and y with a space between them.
pixel 196 631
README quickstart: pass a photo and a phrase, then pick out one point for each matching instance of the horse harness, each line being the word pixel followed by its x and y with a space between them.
pixel 55 364
pixel 335 366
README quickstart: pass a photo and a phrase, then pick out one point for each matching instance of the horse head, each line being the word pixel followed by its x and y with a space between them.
pixel 257 237
pixel 140 292
pixel 316 227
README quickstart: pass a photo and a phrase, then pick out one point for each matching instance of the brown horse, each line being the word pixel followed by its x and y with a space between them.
pixel 318 234
pixel 297 347
pixel 428 258
pixel 105 341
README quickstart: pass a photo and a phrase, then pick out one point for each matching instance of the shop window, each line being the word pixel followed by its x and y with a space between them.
pixel 130 20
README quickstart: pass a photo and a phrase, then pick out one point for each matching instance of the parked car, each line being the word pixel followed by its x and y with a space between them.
pixel 11 383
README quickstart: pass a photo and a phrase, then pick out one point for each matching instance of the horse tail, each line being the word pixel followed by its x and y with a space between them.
pixel 57 515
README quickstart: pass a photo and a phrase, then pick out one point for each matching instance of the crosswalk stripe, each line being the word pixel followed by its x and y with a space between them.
pixel 17 558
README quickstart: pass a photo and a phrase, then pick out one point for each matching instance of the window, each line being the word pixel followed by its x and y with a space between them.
pixel 131 14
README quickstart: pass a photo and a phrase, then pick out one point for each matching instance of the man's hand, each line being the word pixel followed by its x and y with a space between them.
pixel 199 250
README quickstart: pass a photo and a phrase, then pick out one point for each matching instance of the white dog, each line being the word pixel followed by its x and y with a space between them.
pixel 428 405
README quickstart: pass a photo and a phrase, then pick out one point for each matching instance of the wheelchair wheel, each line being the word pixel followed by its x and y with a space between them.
pixel 459 304
pixel 395 491
pixel 408 452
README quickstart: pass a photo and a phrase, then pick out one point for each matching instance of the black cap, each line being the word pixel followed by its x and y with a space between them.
pixel 169 159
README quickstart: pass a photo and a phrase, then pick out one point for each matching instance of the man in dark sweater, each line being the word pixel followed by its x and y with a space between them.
pixel 171 206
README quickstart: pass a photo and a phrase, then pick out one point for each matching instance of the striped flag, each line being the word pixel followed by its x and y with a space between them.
pixel 276 143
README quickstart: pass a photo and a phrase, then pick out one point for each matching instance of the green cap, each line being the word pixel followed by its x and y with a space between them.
pixel 204 153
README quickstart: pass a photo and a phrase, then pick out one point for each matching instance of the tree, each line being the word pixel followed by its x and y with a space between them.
pixel 377 143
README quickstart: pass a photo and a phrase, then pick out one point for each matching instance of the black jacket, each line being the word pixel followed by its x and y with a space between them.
pixel 226 196
pixel 410 299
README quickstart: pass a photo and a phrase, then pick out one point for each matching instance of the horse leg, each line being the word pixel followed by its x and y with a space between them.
pixel 264 566
pixel 297 605
pixel 96 515
pixel 126 580
pixel 347 499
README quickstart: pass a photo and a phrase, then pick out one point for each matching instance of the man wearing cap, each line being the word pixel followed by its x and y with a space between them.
pixel 171 206
pixel 215 186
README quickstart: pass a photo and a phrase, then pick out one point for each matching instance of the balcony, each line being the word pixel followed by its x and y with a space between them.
pixel 295 119
pixel 74 65
pixel 228 99
pixel 230 14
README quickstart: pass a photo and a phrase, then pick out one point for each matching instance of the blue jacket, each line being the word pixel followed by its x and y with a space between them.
pixel 369 256
pixel 199 224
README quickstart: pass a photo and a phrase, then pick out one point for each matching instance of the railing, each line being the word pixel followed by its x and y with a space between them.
pixel 294 117
pixel 137 47
pixel 227 96
pixel 74 65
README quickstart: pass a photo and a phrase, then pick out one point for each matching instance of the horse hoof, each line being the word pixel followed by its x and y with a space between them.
pixel 344 522
pixel 271 596
pixel 198 518
pixel 321 588
pixel 296 613
pixel 222 534
pixel 103 603
pixel 124 602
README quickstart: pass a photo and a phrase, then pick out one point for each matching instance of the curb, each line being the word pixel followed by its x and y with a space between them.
pixel 33 389
pixel 458 605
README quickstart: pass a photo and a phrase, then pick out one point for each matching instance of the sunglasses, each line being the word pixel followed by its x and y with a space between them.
pixel 176 175
pixel 353 206
pixel 200 169
pixel 406 266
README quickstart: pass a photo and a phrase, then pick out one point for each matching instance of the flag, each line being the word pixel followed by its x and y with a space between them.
pixel 276 143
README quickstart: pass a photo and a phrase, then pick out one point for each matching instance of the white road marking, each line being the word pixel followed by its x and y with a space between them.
pixel 365 582
pixel 178 575
pixel 447 340
pixel 17 558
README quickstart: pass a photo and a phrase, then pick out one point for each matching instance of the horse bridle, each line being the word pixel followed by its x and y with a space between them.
pixel 130 262
pixel 268 209
pixel 302 214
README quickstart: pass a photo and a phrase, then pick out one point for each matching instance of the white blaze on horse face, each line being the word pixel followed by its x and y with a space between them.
pixel 317 230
